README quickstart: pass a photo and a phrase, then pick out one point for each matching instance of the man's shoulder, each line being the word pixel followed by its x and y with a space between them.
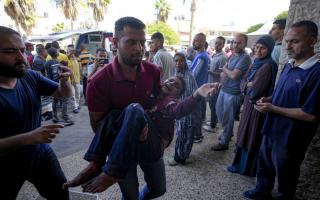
pixel 148 66
pixel 105 73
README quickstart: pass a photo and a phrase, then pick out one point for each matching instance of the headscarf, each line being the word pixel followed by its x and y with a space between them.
pixel 269 43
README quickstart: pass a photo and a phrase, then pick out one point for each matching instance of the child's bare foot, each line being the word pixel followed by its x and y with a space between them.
pixel 92 170
pixel 99 183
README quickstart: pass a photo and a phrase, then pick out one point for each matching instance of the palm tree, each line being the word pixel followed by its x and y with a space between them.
pixel 99 9
pixel 70 10
pixel 163 9
pixel 22 13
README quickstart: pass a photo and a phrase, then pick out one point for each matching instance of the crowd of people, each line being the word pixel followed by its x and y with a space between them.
pixel 136 103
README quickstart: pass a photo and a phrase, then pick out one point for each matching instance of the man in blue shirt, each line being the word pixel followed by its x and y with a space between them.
pixel 293 113
pixel 229 99
pixel 199 69
pixel 24 154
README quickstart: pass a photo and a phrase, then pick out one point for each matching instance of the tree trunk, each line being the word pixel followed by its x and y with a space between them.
pixel 192 9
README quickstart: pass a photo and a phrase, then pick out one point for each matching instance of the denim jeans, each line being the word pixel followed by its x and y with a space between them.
pixel 226 106
pixel 128 151
pixel 42 169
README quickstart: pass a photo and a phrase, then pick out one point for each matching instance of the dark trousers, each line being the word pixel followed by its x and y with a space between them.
pixel 212 105
pixel 276 160
pixel 84 86
pixel 128 151
pixel 42 169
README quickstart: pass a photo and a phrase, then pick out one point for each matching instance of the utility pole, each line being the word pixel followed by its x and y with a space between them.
pixel 192 9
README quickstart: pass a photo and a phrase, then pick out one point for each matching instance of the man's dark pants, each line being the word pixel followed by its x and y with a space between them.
pixel 41 169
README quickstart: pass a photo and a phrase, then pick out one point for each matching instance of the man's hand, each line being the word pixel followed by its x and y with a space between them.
pixel 206 90
pixel 43 134
pixel 263 107
pixel 65 73
pixel 264 100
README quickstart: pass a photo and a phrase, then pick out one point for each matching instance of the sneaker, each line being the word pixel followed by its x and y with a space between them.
pixel 76 111
pixel 209 129
pixel 66 119
pixel 173 163
pixel 197 140
pixel 257 195
pixel 219 147
pixel 208 123
pixel 233 169
pixel 55 119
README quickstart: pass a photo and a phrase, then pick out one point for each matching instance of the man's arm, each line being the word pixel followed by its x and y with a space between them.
pixel 43 134
pixel 295 113
pixel 95 117
pixel 231 74
pixel 198 68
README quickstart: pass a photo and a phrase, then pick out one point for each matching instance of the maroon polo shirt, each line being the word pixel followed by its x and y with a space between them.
pixel 109 89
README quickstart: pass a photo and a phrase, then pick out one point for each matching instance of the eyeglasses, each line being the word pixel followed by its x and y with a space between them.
pixel 12 50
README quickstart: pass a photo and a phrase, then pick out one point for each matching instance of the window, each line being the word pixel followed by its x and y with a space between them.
pixel 95 38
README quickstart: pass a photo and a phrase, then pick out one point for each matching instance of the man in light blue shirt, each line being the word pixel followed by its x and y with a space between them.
pixel 229 99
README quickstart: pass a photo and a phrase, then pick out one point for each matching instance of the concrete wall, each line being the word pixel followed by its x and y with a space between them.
pixel 309 182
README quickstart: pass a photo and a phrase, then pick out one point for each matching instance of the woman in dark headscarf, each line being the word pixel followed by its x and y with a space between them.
pixel 259 82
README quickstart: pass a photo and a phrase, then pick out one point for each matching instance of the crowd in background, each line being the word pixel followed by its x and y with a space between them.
pixel 270 117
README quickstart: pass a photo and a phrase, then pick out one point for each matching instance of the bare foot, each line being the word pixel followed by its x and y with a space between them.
pixel 99 183
pixel 92 170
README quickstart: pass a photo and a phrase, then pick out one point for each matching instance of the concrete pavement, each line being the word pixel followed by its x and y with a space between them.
pixel 204 177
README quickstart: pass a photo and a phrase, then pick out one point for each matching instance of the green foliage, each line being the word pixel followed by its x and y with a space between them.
pixel 282 15
pixel 59 27
pixel 254 28
pixel 170 36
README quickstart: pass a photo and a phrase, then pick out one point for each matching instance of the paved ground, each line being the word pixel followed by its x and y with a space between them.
pixel 204 177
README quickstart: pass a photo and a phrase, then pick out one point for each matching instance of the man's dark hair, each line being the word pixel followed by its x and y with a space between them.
pixel 281 23
pixel 157 36
pixel 53 52
pixel 55 44
pixel 7 31
pixel 222 38
pixel 101 49
pixel 131 22
pixel 48 45
pixel 40 49
pixel 202 35
pixel 206 45
pixel 312 28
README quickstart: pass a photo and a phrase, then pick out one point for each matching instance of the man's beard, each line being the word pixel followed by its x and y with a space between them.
pixel 12 71
pixel 131 62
